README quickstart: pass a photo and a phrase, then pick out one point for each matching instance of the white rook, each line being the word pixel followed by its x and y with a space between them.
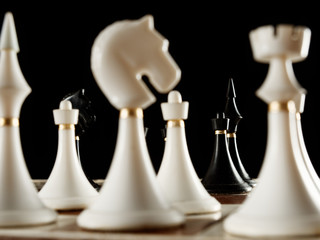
pixel 286 202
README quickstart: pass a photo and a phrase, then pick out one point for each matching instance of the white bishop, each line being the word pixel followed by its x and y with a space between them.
pixel 19 201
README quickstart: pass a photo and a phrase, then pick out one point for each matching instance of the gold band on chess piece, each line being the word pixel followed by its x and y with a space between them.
pixel 9 122
pixel 175 123
pixel 276 106
pixel 131 112
pixel 220 132
pixel 231 135
pixel 66 126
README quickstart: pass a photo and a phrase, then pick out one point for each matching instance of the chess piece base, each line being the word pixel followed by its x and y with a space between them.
pixel 203 206
pixel 129 221
pixel 70 203
pixel 251 182
pixel 16 218
pixel 245 225
pixel 236 188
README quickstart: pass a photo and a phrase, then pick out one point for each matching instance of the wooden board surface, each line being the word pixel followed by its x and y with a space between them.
pixel 198 227
pixel 66 228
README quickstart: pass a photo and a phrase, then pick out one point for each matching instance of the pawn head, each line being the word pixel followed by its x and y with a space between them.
pixel 87 116
pixel 175 108
pixel 220 122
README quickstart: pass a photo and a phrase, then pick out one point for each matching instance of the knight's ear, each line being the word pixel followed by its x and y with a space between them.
pixel 147 21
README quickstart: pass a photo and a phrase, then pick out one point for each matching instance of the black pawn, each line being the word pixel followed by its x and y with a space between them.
pixel 231 112
pixel 222 176
pixel 87 119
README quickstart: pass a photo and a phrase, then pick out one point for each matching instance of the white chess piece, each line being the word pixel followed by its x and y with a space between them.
pixel 177 177
pixel 130 198
pixel 300 101
pixel 286 202
pixel 67 187
pixel 19 201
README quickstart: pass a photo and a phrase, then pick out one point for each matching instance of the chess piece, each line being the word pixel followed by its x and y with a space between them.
pixel 163 132
pixel 231 112
pixel 67 187
pixel 285 202
pixel 87 118
pixel 300 101
pixel 222 176
pixel 19 201
pixel 177 177
pixel 130 198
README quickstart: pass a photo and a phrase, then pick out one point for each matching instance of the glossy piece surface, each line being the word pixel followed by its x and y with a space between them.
pixel 296 209
pixel 177 177
pixel 231 111
pixel 222 176
pixel 67 187
pixel 19 201
pixel 131 198
pixel 125 51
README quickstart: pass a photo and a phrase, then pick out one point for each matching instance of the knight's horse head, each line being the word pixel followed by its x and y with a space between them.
pixel 124 52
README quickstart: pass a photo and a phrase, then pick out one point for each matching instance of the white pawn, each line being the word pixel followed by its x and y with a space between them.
pixel 286 200
pixel 177 177
pixel 19 201
pixel 67 187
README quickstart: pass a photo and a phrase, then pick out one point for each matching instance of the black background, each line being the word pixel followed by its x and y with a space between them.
pixel 208 41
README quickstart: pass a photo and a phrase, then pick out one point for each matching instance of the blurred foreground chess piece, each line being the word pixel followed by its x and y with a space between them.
pixel 130 198
pixel 19 201
pixel 87 118
pixel 67 187
pixel 222 176
pixel 231 112
pixel 300 101
pixel 285 202
pixel 177 178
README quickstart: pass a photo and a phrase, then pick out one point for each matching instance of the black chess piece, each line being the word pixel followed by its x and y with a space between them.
pixel 222 176
pixel 87 119
pixel 231 112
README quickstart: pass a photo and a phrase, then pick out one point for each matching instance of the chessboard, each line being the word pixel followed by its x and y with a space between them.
pixel 206 226
pixel 201 226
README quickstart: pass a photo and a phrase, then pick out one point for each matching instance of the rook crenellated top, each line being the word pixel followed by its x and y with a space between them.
pixel 280 47
pixel 175 108
pixel 284 40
